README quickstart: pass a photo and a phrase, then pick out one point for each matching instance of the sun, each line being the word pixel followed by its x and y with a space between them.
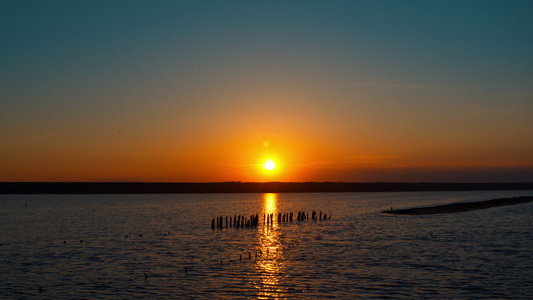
pixel 269 165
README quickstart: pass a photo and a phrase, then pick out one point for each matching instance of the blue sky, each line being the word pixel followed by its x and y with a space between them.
pixel 418 84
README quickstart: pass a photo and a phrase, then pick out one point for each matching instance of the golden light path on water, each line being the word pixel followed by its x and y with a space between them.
pixel 270 268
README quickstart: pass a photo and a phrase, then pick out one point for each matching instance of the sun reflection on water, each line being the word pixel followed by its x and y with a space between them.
pixel 270 201
pixel 271 265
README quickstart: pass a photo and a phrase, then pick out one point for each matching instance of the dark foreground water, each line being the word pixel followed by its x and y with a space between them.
pixel 139 247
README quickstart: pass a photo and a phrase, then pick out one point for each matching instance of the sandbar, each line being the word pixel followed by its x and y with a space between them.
pixel 460 207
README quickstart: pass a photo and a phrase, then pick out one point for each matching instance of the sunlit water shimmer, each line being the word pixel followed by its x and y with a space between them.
pixel 139 246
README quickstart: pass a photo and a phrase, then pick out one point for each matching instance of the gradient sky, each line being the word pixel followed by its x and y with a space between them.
pixel 208 90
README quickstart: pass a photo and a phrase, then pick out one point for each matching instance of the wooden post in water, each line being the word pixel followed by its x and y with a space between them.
pixel 253 220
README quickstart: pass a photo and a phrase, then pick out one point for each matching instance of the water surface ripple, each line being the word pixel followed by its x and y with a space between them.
pixel 162 246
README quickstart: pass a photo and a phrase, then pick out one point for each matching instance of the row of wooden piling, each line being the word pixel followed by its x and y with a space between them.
pixel 242 221
pixel 238 221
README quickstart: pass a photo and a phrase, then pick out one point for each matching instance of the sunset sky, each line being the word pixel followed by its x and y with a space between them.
pixel 186 91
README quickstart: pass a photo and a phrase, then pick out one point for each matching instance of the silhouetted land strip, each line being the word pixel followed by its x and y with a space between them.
pixel 244 187
pixel 459 207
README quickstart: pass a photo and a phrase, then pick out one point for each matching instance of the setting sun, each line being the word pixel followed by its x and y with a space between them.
pixel 269 164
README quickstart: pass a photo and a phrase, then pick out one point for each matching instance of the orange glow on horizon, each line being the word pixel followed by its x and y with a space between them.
pixel 243 156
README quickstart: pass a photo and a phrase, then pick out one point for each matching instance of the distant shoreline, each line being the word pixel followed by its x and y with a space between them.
pixel 245 187
pixel 459 207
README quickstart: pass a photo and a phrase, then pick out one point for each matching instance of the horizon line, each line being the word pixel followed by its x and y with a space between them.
pixel 245 182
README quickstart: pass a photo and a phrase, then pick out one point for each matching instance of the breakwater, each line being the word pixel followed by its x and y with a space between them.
pixel 459 207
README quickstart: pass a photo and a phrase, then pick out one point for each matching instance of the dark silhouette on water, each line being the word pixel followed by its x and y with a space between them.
pixel 459 207
pixel 244 187
pixel 241 221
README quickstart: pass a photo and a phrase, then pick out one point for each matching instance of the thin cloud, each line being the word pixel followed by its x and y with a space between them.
pixel 411 86
pixel 44 136
pixel 352 161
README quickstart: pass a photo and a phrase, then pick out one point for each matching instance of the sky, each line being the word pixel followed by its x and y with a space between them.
pixel 208 91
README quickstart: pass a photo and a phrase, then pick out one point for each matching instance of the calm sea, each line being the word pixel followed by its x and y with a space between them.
pixel 163 246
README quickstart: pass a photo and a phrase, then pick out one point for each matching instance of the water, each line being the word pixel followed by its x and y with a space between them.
pixel 138 246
